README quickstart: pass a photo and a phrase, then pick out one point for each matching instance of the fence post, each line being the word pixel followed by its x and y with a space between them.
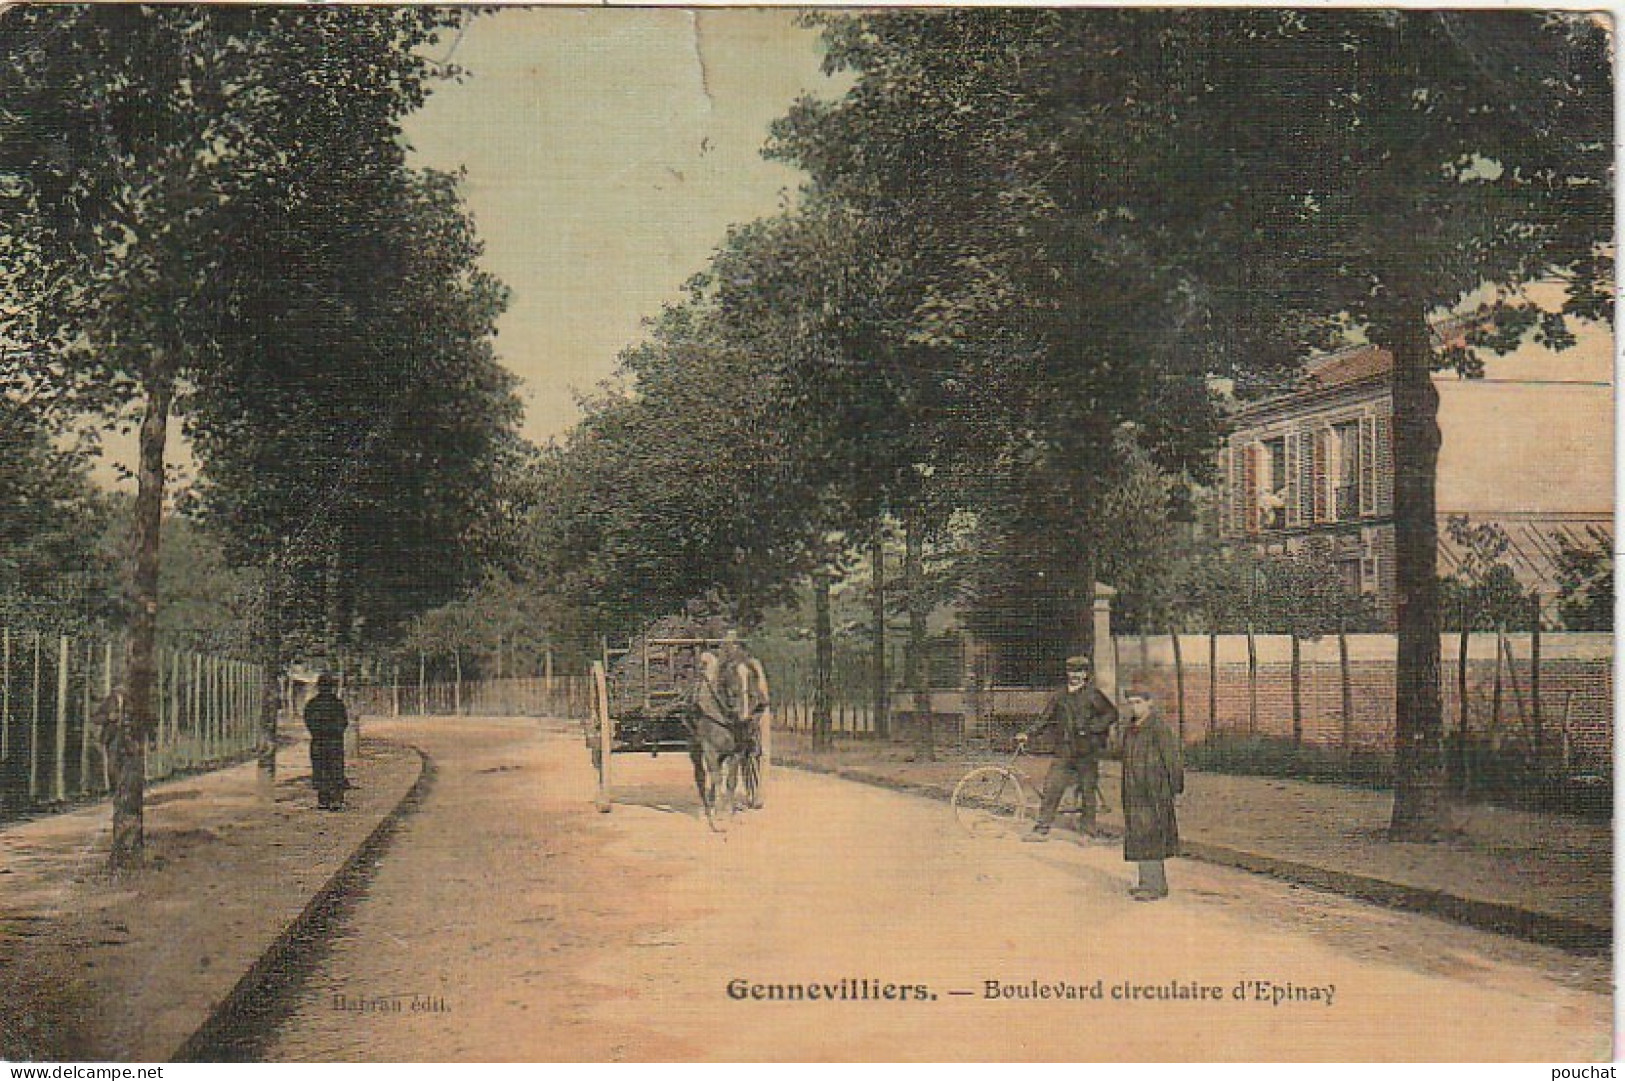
pixel 181 750
pixel 1462 712
pixel 218 701
pixel 107 689
pixel 200 705
pixel 1179 682
pixel 166 716
pixel 84 728
pixel 59 771
pixel 1534 684
pixel 1495 701
pixel 1297 690
pixel 1212 683
pixel 1105 648
pixel 33 730
pixel 1252 682
pixel 1347 688
pixel 200 731
pixel 5 700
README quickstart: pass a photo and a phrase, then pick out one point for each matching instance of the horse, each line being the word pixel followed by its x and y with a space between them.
pixel 717 746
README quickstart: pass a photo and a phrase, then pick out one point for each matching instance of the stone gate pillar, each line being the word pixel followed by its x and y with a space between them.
pixel 1105 655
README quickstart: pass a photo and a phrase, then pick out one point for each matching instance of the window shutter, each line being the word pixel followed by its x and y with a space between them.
pixel 1294 451
pixel 1306 477
pixel 1321 475
pixel 1368 466
pixel 1227 490
pixel 1382 450
pixel 1252 475
pixel 1238 494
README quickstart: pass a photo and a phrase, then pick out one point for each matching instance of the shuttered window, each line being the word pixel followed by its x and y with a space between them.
pixel 1294 479
pixel 1368 466
pixel 1383 451
pixel 1252 478
pixel 1320 473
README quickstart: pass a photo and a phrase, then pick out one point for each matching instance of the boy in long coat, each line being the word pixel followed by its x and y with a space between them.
pixel 1153 775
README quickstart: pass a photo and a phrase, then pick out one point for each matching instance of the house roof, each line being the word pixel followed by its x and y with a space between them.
pixel 1347 367
pixel 1362 362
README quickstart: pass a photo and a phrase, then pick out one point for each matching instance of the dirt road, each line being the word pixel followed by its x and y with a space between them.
pixel 509 921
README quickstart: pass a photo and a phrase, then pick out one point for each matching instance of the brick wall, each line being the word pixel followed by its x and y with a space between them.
pixel 1576 690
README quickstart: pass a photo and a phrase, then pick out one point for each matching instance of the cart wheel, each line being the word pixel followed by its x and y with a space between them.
pixel 601 751
pixel 990 801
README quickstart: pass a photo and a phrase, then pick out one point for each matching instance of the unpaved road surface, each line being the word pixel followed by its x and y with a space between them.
pixel 510 921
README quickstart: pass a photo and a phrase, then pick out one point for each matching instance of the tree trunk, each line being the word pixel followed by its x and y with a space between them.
pixel 1297 691
pixel 1420 809
pixel 271 694
pixel 824 654
pixel 136 724
pixel 333 601
pixel 877 558
pixel 914 587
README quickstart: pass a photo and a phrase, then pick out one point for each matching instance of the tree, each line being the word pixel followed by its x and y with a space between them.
pixel 730 459
pixel 1406 161
pixel 1585 575
pixel 53 573
pixel 1053 351
pixel 1410 159
pixel 124 132
pixel 354 433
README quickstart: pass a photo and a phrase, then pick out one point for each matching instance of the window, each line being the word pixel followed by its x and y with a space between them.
pixel 1348 573
pixel 1346 475
pixel 1272 488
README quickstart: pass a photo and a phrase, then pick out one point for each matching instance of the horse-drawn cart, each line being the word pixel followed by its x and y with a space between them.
pixel 645 700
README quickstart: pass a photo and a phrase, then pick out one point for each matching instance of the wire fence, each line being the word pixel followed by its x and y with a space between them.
pixel 569 697
pixel 51 750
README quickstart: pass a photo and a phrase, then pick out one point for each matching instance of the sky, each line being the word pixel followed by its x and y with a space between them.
pixel 607 152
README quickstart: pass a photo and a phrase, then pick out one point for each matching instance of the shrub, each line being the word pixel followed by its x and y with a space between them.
pixel 1265 756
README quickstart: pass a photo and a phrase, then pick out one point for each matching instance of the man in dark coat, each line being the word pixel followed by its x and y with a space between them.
pixel 326 720
pixel 1153 775
pixel 1082 718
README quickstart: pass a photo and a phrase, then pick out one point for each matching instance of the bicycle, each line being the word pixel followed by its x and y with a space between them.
pixel 999 799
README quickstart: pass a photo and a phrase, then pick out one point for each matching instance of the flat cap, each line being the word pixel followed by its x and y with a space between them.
pixel 1079 661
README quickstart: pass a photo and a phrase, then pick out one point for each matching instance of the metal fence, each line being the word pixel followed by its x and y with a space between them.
pixel 50 685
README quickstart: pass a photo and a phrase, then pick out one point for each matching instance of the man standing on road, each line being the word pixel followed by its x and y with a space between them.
pixel 326 720
pixel 1082 718
pixel 1152 776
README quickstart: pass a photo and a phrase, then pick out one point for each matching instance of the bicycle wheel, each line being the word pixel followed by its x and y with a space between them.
pixel 990 801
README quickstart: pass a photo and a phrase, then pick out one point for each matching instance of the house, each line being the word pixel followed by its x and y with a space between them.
pixel 1528 448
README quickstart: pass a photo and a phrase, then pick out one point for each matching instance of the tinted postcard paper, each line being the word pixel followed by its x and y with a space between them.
pixel 746 534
